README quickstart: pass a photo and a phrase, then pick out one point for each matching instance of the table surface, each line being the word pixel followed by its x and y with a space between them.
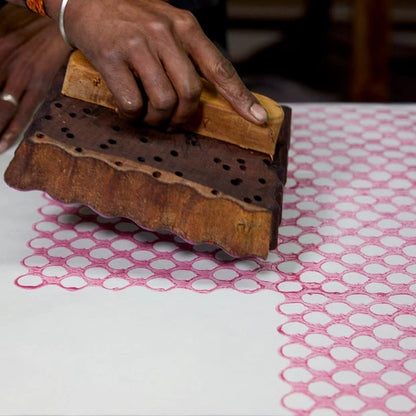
pixel 100 317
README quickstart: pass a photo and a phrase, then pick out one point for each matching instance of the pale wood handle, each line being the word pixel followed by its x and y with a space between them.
pixel 215 117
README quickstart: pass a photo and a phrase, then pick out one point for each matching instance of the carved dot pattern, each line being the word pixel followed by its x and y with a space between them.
pixel 346 261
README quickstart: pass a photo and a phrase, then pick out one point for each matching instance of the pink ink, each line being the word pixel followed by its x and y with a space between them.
pixel 76 248
pixel 350 301
pixel 345 262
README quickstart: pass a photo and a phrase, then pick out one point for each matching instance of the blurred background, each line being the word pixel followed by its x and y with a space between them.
pixel 325 50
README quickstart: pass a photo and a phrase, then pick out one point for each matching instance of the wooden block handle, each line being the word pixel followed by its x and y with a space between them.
pixel 215 117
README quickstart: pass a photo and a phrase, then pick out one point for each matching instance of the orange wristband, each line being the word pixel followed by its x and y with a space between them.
pixel 36 6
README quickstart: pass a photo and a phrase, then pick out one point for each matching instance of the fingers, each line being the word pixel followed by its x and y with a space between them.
pixel 15 83
pixel 159 92
pixel 221 73
pixel 187 85
pixel 172 86
pixel 212 64
pixel 122 83
pixel 164 47
pixel 27 75
pixel 15 37
pixel 7 111
pixel 179 67
pixel 27 106
pixel 140 56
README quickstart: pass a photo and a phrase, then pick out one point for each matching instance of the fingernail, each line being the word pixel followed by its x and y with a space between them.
pixel 258 112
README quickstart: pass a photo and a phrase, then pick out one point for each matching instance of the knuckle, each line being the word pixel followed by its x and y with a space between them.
pixel 107 55
pixel 185 21
pixel 128 107
pixel 241 93
pixel 191 94
pixel 128 103
pixel 160 27
pixel 224 70
pixel 241 96
pixel 134 43
pixel 164 102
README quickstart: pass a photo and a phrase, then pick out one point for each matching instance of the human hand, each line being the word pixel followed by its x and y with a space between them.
pixel 151 56
pixel 31 53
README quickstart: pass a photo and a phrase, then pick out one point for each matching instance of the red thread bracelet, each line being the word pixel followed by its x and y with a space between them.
pixel 36 6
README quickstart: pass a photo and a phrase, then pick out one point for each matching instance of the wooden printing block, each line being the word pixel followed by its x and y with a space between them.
pixel 202 189
pixel 214 118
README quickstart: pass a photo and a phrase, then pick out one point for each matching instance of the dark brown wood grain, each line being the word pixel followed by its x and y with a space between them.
pixel 215 117
pixel 199 188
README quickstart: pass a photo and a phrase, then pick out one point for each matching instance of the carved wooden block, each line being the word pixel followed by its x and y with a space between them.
pixel 202 189
pixel 215 117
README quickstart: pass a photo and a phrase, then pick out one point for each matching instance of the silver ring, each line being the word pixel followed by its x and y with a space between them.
pixel 9 98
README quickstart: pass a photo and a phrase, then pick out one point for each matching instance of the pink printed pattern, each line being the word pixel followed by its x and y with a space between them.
pixel 349 248
pixel 77 248
pixel 346 261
